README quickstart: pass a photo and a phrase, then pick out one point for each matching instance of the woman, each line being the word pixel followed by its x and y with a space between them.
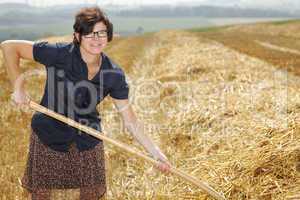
pixel 79 76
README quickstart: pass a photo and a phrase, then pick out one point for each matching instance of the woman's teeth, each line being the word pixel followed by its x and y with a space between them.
pixel 97 45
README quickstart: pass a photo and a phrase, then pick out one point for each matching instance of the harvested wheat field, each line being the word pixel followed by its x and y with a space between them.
pixel 223 115
pixel 277 42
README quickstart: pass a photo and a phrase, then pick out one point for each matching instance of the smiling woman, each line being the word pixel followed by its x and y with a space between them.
pixel 79 76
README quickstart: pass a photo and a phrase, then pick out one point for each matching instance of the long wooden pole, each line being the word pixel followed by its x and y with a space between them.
pixel 204 186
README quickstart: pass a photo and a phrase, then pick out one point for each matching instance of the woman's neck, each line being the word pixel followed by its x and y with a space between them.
pixel 88 58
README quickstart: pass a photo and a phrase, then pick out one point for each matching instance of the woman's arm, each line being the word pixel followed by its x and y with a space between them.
pixel 137 130
pixel 13 50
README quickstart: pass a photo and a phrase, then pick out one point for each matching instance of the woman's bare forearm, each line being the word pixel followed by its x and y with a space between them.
pixel 137 130
pixel 13 50
pixel 11 62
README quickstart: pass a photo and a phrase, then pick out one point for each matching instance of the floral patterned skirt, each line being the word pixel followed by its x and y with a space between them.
pixel 48 169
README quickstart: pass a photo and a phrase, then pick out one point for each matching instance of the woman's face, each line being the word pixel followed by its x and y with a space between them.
pixel 95 42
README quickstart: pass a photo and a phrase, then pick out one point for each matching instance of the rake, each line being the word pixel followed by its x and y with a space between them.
pixel 186 177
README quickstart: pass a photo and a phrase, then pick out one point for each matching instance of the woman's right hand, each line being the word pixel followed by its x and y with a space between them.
pixel 21 99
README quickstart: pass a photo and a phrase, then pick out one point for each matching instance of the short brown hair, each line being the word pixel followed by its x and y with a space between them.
pixel 86 19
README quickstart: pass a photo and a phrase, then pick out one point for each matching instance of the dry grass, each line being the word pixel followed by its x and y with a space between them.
pixel 243 38
pixel 225 117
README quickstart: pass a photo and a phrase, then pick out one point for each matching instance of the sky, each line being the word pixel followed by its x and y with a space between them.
pixel 277 4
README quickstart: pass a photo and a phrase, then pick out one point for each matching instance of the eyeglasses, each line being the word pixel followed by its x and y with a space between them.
pixel 96 34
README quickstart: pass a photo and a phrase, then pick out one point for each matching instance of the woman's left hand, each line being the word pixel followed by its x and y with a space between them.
pixel 163 163
pixel 164 167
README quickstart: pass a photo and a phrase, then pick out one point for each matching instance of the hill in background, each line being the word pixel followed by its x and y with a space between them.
pixel 20 21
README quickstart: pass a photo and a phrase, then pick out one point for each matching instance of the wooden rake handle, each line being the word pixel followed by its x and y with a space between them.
pixel 205 187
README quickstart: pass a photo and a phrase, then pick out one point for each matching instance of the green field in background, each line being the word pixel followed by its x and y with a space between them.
pixel 123 26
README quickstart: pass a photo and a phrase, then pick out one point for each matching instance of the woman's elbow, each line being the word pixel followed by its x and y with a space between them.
pixel 1 45
pixel 5 45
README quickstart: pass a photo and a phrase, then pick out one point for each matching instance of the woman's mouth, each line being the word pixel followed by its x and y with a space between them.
pixel 96 45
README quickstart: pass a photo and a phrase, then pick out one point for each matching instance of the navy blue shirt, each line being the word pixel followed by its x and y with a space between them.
pixel 68 91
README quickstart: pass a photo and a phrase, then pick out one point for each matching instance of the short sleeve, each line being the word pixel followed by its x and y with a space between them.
pixel 120 89
pixel 45 53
